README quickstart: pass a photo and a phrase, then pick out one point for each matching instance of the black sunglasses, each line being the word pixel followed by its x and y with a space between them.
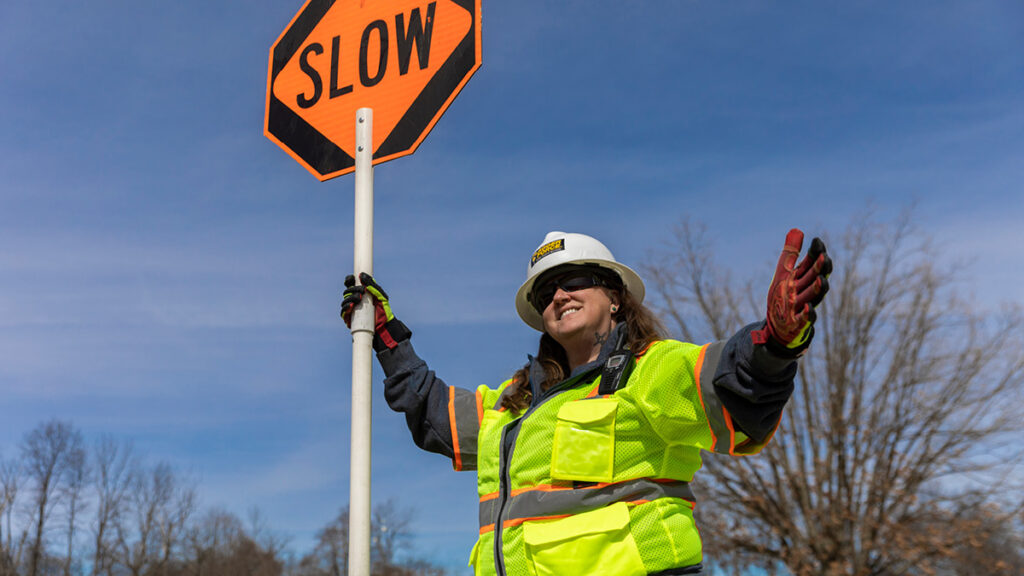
pixel 544 291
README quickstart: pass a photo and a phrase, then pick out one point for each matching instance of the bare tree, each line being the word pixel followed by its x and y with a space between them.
pixel 10 478
pixel 144 521
pixel 173 520
pixel 211 538
pixel 991 547
pixel 390 546
pixel 389 535
pixel 116 472
pixel 330 556
pixel 263 535
pixel 902 424
pixel 76 475
pixel 161 503
pixel 218 545
pixel 46 455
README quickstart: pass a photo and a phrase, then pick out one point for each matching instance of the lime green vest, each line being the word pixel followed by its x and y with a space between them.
pixel 589 484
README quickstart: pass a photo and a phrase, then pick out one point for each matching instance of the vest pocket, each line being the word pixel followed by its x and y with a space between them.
pixel 595 542
pixel 584 442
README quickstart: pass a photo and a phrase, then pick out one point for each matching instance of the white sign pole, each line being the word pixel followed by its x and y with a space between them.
pixel 362 355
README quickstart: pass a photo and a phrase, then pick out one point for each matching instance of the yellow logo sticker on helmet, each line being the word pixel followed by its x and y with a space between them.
pixel 549 248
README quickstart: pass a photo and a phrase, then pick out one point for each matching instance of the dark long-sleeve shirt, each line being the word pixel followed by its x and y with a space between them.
pixel 751 384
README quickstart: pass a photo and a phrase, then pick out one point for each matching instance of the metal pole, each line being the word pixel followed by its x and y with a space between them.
pixel 362 355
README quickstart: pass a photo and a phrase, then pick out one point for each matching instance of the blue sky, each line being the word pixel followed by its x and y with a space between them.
pixel 169 275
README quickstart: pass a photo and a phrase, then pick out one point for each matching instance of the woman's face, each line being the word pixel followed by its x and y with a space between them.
pixel 579 317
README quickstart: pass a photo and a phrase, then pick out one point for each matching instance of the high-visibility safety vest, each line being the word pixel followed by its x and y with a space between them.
pixel 583 483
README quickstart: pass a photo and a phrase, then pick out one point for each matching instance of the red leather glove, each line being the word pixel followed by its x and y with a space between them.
pixel 793 294
pixel 388 330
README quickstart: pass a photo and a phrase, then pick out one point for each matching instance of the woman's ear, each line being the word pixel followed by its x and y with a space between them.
pixel 615 298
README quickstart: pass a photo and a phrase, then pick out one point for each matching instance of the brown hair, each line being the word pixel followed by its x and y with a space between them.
pixel 643 329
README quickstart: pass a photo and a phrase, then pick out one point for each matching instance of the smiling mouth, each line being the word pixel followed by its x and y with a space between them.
pixel 567 312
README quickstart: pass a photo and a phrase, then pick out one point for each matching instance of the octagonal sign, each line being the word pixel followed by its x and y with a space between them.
pixel 405 59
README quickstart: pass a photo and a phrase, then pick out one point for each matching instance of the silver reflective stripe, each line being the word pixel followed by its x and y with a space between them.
pixel 561 501
pixel 488 512
pixel 712 405
pixel 465 427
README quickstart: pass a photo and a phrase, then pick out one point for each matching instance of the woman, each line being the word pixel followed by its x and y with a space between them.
pixel 585 455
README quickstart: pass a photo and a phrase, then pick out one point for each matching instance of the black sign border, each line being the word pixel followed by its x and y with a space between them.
pixel 315 149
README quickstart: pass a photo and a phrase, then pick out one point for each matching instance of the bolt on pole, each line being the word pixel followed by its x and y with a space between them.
pixel 362 355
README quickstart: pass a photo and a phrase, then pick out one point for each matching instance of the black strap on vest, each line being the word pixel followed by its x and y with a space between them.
pixel 618 366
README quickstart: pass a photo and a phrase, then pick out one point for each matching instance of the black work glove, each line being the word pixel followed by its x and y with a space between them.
pixel 388 331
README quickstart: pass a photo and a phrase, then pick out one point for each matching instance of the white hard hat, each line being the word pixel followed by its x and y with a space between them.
pixel 561 248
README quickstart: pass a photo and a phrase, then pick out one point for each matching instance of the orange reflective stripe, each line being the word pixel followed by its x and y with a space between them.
pixel 555 487
pixel 455 432
pixel 518 521
pixel 687 503
pixel 479 405
pixel 732 430
pixel 462 414
pixel 644 351
pixel 700 394
pixel 510 523
pixel 547 488
pixel 748 446
pixel 490 496
pixel 721 425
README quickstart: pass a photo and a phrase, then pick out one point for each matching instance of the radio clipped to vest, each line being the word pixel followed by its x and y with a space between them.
pixel 618 366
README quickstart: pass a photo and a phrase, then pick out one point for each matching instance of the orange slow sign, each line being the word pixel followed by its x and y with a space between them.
pixel 405 59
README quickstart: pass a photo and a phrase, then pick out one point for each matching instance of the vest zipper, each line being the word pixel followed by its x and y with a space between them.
pixel 509 434
pixel 507 445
